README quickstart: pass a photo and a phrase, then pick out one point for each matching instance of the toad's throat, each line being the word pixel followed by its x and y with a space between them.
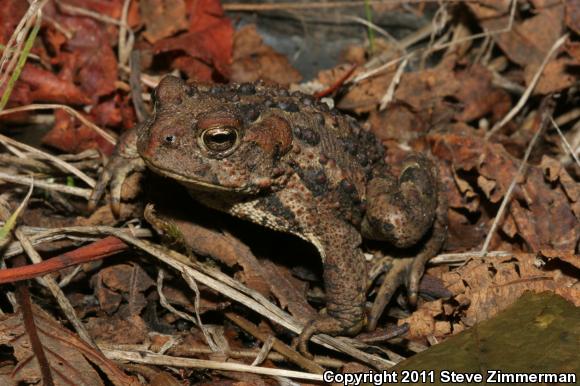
pixel 193 183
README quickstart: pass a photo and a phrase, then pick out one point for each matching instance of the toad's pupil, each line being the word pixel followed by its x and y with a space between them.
pixel 220 141
pixel 221 138
pixel 170 139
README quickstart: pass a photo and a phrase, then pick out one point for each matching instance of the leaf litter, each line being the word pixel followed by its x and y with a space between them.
pixel 470 95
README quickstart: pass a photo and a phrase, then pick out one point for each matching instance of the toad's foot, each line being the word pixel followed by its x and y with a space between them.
pixel 325 324
pixel 408 271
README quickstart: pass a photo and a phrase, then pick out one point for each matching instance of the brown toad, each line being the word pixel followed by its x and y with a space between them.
pixel 288 163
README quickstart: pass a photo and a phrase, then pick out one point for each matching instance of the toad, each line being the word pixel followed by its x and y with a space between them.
pixel 287 162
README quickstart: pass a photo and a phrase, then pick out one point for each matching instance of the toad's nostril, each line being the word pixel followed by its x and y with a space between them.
pixel 170 139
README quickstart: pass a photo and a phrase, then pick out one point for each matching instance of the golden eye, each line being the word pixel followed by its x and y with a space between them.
pixel 220 139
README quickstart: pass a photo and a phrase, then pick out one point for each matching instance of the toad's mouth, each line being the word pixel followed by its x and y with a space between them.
pixel 192 183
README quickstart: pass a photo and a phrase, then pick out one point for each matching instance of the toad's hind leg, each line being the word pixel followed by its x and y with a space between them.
pixel 405 211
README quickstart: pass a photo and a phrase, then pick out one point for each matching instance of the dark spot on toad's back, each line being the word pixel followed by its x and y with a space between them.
pixel 362 159
pixel 314 179
pixel 216 89
pixel 307 135
pixel 249 112
pixel 288 106
pixel 191 90
pixel 247 89
pixel 347 187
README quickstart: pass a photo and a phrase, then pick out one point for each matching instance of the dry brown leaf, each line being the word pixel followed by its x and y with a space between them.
pixel 555 77
pixel 254 60
pixel 479 97
pixel 542 211
pixel 118 330
pixel 162 18
pixel 530 40
pixel 398 122
pixel 423 321
pixel 366 94
pixel 123 282
pixel 554 172
pixel 489 285
pixel 291 292
pixel 70 359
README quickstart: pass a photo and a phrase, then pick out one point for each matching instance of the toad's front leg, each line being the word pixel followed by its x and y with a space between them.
pixel 344 281
pixel 123 161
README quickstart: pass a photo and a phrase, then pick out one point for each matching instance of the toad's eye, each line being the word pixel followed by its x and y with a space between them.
pixel 220 139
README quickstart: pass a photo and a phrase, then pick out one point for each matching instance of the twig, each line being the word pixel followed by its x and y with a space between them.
pixel 62 165
pixel 193 350
pixel 264 351
pixel 22 57
pixel 505 29
pixel 565 142
pixel 376 28
pixel 39 236
pixel 32 332
pixel 240 7
pixel 134 82
pixel 25 180
pixel 125 40
pixel 17 38
pixel 280 347
pixel 388 97
pixel 568 117
pixel 54 288
pixel 10 223
pixel 166 360
pixel 373 72
pixel 455 258
pixel 439 21
pixel 80 11
pixel 71 111
pixel 545 111
pixel 196 321
pixel 427 32
pixel 523 99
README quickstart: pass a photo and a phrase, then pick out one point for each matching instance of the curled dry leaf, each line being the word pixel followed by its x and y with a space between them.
pixel 483 287
pixel 423 322
pixel 541 213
